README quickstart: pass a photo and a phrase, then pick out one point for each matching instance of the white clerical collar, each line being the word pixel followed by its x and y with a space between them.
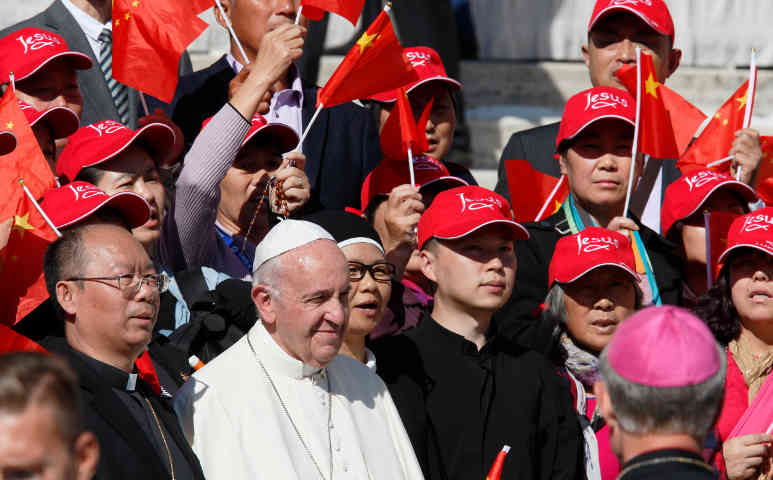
pixel 275 359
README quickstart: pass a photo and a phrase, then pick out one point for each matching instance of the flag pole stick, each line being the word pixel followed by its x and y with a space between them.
pixel 550 198
pixel 747 117
pixel 144 103
pixel 308 127
pixel 40 210
pixel 738 173
pixel 635 147
pixel 410 166
pixel 709 276
pixel 721 161
pixel 230 27
pixel 298 15
pixel 13 82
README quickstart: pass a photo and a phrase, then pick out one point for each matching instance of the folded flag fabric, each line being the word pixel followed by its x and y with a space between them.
pixel 533 192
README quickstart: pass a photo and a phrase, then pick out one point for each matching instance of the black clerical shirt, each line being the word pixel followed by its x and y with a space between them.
pixel 460 406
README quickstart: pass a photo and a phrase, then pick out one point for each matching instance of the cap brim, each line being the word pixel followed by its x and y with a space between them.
pixel 7 143
pixel 748 194
pixel 63 121
pixel 80 61
pixel 454 181
pixel 286 135
pixel 158 138
pixel 628 9
pixel 133 208
pixel 743 245
pixel 391 95
pixel 519 231
pixel 634 276
pixel 591 122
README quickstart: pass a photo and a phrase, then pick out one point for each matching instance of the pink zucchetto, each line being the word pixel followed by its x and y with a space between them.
pixel 664 347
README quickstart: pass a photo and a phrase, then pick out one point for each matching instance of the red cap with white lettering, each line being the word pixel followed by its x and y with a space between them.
pixel 577 255
pixel 24 52
pixel 652 12
pixel 427 64
pixel 389 174
pixel 460 211
pixel 686 195
pixel 281 135
pixel 7 142
pixel 76 201
pixel 62 121
pixel 100 142
pixel 592 105
pixel 753 230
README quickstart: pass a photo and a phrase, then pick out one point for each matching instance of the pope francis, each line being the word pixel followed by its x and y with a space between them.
pixel 281 403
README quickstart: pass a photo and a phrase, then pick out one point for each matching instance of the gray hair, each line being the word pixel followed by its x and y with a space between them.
pixel 555 301
pixel 269 274
pixel 641 409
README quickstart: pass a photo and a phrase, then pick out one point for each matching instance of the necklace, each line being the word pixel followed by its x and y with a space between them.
pixel 290 418
pixel 658 461
pixel 163 438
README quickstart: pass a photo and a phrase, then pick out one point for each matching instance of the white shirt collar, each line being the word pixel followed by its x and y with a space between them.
pixel 91 26
pixel 275 359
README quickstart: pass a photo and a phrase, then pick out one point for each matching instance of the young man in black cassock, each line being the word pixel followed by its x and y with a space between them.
pixel 462 392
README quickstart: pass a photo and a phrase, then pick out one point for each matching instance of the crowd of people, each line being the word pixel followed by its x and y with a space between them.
pixel 225 303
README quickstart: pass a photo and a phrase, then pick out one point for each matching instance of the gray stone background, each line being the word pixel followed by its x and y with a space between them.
pixel 530 60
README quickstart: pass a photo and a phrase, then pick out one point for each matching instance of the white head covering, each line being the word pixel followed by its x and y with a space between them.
pixel 285 236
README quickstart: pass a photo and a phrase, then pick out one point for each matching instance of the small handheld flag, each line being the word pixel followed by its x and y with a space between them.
pixel 496 469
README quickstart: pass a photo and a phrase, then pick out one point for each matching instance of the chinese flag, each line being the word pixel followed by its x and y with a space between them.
pixel 717 226
pixel 26 161
pixel 401 130
pixel 764 185
pixel 531 190
pixel 349 9
pixel 496 469
pixel 22 286
pixel 656 134
pixel 685 117
pixel 375 64
pixel 10 341
pixel 149 37
pixel 715 140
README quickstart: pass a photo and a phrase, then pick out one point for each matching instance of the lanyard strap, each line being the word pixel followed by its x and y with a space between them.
pixel 240 254
pixel 576 225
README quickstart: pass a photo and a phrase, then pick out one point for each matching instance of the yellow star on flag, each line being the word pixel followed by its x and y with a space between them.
pixel 366 41
pixel 135 4
pixel 22 224
pixel 651 86
pixel 724 122
pixel 117 22
pixel 127 16
pixel 742 101
pixel 558 206
pixel 9 125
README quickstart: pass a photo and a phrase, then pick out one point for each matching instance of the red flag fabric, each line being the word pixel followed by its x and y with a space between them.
pixel 685 117
pixel 764 184
pixel 149 37
pixel 530 190
pixel 349 9
pixel 401 130
pixel 717 226
pixel 496 469
pixel 26 161
pixel 715 140
pixel 374 64
pixel 10 341
pixel 22 286
pixel 656 134
pixel 147 372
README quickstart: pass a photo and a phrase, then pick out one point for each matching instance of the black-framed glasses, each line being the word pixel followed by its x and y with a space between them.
pixel 381 271
pixel 130 283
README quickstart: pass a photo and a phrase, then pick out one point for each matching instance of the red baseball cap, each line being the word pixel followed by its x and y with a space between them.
pixel 653 12
pixel 7 142
pixel 390 174
pixel 280 131
pixel 62 121
pixel 100 142
pixel 753 230
pixel 594 247
pixel 460 211
pixel 24 52
pixel 428 66
pixel 76 201
pixel 592 105
pixel 686 195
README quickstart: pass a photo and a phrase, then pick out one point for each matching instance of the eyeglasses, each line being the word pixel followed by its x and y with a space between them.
pixel 381 272
pixel 130 283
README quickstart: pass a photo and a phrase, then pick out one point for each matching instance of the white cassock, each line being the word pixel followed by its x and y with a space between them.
pixel 235 421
